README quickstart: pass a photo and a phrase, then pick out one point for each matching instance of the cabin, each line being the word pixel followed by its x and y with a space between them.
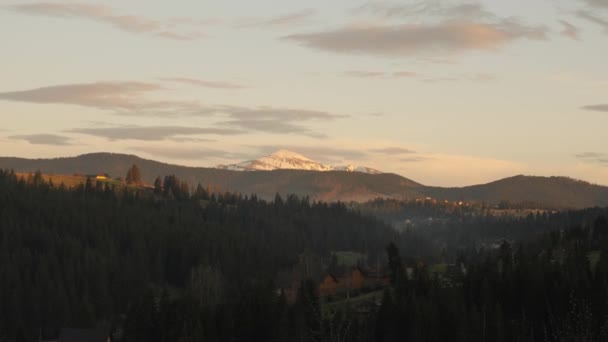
pixel 356 280
pixel 330 285
pixel 81 335
pixel 99 176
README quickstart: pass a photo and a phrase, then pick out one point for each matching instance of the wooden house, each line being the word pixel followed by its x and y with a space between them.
pixel 330 285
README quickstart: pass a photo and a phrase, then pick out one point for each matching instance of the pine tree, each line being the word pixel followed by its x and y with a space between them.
pixel 133 175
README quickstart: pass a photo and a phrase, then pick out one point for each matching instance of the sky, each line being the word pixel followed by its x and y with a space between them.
pixel 447 93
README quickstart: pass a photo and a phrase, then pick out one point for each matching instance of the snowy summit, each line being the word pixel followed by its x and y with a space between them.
pixel 288 160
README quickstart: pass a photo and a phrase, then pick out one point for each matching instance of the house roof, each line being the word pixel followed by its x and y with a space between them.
pixel 79 335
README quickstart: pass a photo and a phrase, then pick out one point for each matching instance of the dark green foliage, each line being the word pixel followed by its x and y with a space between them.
pixel 168 265
pixel 90 256
pixel 545 290
pixel 543 192
pixel 133 175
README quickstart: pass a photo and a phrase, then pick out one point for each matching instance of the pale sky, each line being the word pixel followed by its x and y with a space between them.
pixel 443 92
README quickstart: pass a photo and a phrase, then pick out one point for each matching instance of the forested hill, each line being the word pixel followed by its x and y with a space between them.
pixel 544 192
pixel 81 257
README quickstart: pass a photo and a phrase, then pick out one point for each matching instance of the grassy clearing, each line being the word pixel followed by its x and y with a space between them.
pixel 70 181
pixel 594 258
pixel 349 259
pixel 367 298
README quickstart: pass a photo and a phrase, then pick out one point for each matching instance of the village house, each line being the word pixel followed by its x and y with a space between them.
pixel 356 280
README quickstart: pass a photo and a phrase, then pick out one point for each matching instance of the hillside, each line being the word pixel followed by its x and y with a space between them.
pixel 552 192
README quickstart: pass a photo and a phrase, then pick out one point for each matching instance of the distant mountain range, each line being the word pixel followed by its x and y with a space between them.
pixel 548 192
pixel 288 160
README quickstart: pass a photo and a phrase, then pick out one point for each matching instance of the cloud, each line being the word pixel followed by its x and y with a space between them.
pixel 570 31
pixel 127 99
pixel 322 153
pixel 379 74
pixel 427 8
pixel 101 95
pixel 598 3
pixel 392 150
pixel 407 39
pixel 293 18
pixel 597 108
pixel 151 133
pixel 107 15
pixel 180 153
pixel 364 74
pixel 265 112
pixel 472 78
pixel 274 120
pixel 43 139
pixel 404 74
pixel 594 18
pixel 203 83
pixel 271 126
pixel 593 158
pixel 413 159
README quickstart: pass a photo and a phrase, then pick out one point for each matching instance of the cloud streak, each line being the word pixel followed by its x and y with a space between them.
pixel 408 40
pixel 102 95
pixel 151 133
pixel 569 30
pixel 43 139
pixel 594 18
pixel 323 153
pixel 597 108
pixel 598 3
pixel 392 151
pixel 379 74
pixel 593 158
pixel 128 99
pixel 203 83
pixel 293 18
pixel 107 15
pixel 428 8
pixel 179 153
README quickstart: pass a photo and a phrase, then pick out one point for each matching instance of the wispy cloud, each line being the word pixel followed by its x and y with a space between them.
pixel 364 74
pixel 127 99
pixel 597 108
pixel 407 40
pixel 428 8
pixel 107 15
pixel 203 83
pixel 44 139
pixel 293 18
pixel 416 159
pixel 322 153
pixel 392 150
pixel 593 157
pixel 180 153
pixel 471 78
pixel 594 18
pixel 569 30
pixel 598 3
pixel 151 133
pixel 274 120
pixel 379 74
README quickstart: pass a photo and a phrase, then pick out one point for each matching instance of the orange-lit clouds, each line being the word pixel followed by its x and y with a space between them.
pixel 406 39
pixel 107 15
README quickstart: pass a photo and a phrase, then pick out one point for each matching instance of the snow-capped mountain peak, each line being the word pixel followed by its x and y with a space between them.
pixel 288 160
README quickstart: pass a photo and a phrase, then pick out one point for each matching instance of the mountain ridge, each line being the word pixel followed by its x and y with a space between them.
pixel 551 192
pixel 289 160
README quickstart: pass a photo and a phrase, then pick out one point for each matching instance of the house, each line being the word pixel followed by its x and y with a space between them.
pixel 330 285
pixel 81 335
pixel 357 279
